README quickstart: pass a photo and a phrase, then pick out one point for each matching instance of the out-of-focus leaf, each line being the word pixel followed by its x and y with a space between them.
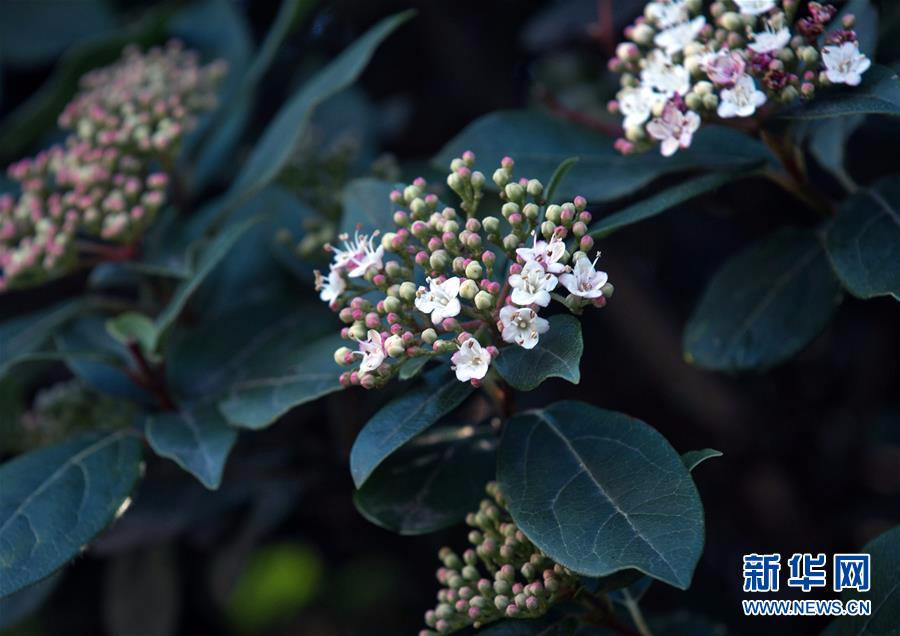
pixel 884 592
pixel 198 440
pixel 38 113
pixel 403 418
pixel 599 492
pixel 863 242
pixel 208 258
pixel 141 593
pixel 283 375
pixel 430 483
pixel 558 175
pixel 278 582
pixel 274 148
pixel 22 604
pixel 665 200
pixel 27 335
pixel 60 25
pixel 765 304
pixel 557 355
pixel 539 143
pixel 367 206
pixel 55 500
pixel 879 94
pixel 133 326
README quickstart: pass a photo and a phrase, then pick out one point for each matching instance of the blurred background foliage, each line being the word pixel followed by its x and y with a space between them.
pixel 812 446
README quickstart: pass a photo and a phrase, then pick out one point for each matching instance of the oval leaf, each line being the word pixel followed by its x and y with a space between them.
pixel 367 205
pixel 55 500
pixel 884 590
pixel 280 376
pixel 539 144
pixel 765 305
pixel 431 483
pixel 557 355
pixel 197 440
pixel 600 492
pixel 402 419
pixel 864 241
pixel 24 336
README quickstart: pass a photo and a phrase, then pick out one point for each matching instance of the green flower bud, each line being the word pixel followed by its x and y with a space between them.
pixel 608 290
pixel 358 330
pixel 693 101
pixel 711 102
pixel 491 224
pixel 477 180
pixel 535 188
pixel 514 192
pixel 439 260
pixel 429 336
pixel 456 164
pixel 474 270
pixel 470 573
pixel 501 177
pixel 531 211
pixel 501 601
pixel 410 193
pixel 392 305
pixel 510 242
pixel 809 55
pixel 340 355
pixel 553 214
pixel 454 181
pixel 468 289
pixel 394 346
pixel 547 229
pixel 731 21
pixel 484 300
pixel 408 291
pixel 509 208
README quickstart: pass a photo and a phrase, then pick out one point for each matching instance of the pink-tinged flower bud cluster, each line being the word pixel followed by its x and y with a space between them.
pixel 503 575
pixel 682 65
pixel 104 182
pixel 485 278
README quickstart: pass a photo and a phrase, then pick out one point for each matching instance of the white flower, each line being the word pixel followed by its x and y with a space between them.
pixel 522 326
pixel 664 76
pixel 667 13
pixel 675 38
pixel 440 300
pixel 330 287
pixel 770 40
pixel 724 67
pixel 533 285
pixel 844 64
pixel 755 7
pixel 471 361
pixel 372 351
pixel 742 100
pixel 674 129
pixel 359 255
pixel 637 104
pixel 548 254
pixel 585 281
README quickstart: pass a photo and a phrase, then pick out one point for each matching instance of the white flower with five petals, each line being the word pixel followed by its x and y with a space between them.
pixel 755 7
pixel 359 255
pixel 637 103
pixel 663 76
pixel 771 40
pixel 372 352
pixel 674 129
pixel 844 64
pixel 584 280
pixel 440 299
pixel 330 287
pixel 547 253
pixel 533 285
pixel 674 39
pixel 741 100
pixel 667 13
pixel 522 325
pixel 471 361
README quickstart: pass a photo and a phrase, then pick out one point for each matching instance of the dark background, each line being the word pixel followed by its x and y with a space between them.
pixel 812 448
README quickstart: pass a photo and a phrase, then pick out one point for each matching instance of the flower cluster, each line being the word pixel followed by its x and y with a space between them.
pixel 681 66
pixel 521 581
pixel 446 282
pixel 107 180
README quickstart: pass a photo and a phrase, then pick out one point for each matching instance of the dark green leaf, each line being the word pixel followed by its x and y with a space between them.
pixel 280 376
pixel 412 367
pixel 274 148
pixel 27 335
pixel 20 605
pixel 197 440
pixel 55 500
pixel 539 144
pixel 402 419
pixel 665 200
pixel 864 241
pixel 884 592
pixel 430 483
pixel 133 326
pixel 600 492
pixel 879 94
pixel 207 260
pixel 692 459
pixel 367 205
pixel 557 355
pixel 765 305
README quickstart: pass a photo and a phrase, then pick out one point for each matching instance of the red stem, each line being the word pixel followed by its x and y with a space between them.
pixel 150 378
pixel 561 110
